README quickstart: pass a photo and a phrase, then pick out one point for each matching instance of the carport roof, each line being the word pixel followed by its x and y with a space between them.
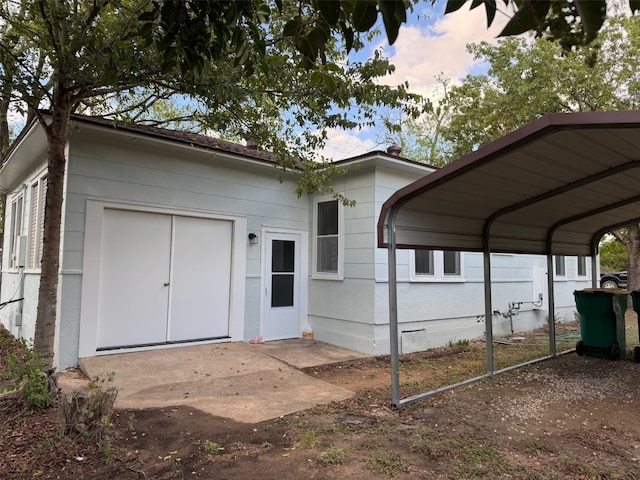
pixel 554 186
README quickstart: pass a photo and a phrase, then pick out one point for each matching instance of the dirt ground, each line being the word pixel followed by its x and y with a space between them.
pixel 570 417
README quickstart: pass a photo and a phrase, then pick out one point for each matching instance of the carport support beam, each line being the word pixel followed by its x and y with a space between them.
pixel 393 309
pixel 552 307
pixel 594 268
pixel 488 307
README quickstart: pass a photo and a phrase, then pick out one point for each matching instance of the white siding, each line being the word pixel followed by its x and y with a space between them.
pixel 120 168
pixel 342 311
pixel 430 313
pixel 117 169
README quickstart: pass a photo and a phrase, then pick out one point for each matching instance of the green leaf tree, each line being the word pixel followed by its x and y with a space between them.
pixel 572 23
pixel 613 256
pixel 528 78
pixel 272 71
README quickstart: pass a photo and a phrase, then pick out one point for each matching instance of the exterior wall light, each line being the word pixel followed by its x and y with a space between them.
pixel 253 239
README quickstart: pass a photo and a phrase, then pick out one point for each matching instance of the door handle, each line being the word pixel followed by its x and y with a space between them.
pixel 166 284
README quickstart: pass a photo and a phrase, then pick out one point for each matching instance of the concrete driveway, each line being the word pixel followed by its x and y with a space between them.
pixel 246 383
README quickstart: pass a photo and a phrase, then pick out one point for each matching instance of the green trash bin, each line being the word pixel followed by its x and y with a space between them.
pixel 635 299
pixel 602 322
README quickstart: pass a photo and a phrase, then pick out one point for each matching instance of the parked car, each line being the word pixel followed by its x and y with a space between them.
pixel 613 280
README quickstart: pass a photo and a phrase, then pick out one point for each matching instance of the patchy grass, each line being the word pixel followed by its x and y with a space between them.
pixel 463 360
pixel 332 456
pixel 212 447
pixel 309 440
pixel 387 462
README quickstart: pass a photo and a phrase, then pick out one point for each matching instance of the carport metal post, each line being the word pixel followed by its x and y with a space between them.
pixel 552 314
pixel 393 309
pixel 488 307
pixel 594 266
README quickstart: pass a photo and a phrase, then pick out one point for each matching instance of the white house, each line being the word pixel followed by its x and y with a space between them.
pixel 171 238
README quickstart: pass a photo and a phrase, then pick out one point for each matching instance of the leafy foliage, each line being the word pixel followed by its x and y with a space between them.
pixel 573 23
pixel 246 72
pixel 613 256
pixel 26 372
pixel 527 79
pixel 190 32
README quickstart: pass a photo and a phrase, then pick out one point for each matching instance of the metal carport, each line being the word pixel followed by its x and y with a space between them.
pixel 552 187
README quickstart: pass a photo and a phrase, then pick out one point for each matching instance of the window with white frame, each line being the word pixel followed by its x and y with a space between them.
pixel 582 266
pixel 36 221
pixel 328 256
pixel 16 206
pixel 560 266
pixel 436 266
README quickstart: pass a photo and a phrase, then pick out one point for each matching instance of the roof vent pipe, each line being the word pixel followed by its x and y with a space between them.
pixel 394 150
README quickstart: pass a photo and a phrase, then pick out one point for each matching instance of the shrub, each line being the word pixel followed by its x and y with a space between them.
pixel 26 371
pixel 89 412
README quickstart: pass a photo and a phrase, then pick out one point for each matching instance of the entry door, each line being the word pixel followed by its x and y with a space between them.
pixel 282 287
pixel 163 278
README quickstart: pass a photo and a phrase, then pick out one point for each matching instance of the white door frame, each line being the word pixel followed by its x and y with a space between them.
pixel 304 273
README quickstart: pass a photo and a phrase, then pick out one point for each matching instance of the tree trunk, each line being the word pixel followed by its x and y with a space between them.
pixel 4 127
pixel 4 146
pixel 633 253
pixel 47 300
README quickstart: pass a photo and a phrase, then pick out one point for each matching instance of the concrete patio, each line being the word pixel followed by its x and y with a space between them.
pixel 246 383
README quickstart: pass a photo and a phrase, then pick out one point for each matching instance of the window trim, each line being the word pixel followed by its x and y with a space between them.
pixel 34 252
pixel 15 229
pixel 339 275
pixel 438 269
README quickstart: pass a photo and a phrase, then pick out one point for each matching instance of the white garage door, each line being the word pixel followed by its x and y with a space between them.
pixel 163 279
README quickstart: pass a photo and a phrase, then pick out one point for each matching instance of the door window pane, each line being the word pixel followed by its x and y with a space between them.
pixel 283 259
pixel 283 256
pixel 282 290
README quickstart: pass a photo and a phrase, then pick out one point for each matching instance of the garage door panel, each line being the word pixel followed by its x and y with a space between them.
pixel 201 278
pixel 163 278
pixel 134 267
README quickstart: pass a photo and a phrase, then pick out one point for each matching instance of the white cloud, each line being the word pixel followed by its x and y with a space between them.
pixel 345 144
pixel 423 51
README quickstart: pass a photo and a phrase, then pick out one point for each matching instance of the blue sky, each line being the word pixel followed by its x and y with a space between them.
pixel 429 44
